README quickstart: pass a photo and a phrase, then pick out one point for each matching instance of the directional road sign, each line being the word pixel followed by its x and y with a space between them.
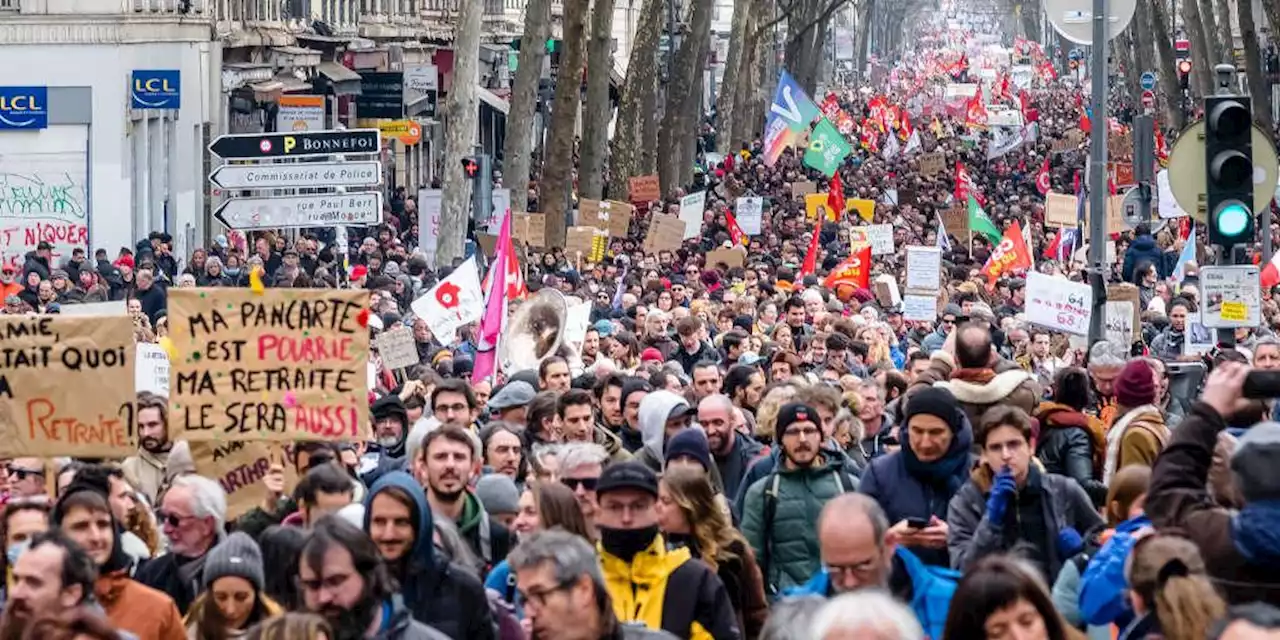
pixel 321 210
pixel 1148 81
pixel 301 175
pixel 296 144
pixel 1187 175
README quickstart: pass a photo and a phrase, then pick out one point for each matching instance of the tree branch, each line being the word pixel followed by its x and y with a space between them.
pixel 822 17
pixel 784 15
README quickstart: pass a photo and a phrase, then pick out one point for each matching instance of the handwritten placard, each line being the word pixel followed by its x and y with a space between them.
pixel 881 238
pixel 799 189
pixel 614 217
pixel 750 215
pixel 529 228
pixel 1125 296
pixel 924 268
pixel 956 222
pixel 287 364
pixel 733 257
pixel 66 386
pixel 579 240
pixel 239 467
pixel 397 347
pixel 692 207
pixel 1058 303
pixel 645 189
pixel 665 234
pixel 151 369
pixel 919 308
pixel 1120 329
pixel 932 164
pixel 1060 210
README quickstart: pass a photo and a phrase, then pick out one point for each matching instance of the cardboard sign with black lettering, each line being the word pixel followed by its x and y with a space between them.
pixel 645 189
pixel 285 364
pixel 956 222
pixel 932 164
pixel 67 386
pixel 666 233
pixel 529 228
pixel 240 466
pixel 609 215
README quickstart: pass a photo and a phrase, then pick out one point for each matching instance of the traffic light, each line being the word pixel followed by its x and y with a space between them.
pixel 1184 73
pixel 478 173
pixel 1228 139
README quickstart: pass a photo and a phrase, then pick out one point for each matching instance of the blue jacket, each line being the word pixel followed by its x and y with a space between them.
pixel 1142 250
pixel 1103 586
pixel 931 590
pixel 933 341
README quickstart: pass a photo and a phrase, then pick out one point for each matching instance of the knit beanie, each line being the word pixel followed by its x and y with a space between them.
pixel 692 443
pixel 1136 385
pixel 498 494
pixel 1253 461
pixel 237 556
pixel 933 401
pixel 794 412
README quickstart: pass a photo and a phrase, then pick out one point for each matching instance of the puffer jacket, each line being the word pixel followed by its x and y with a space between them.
pixel 973 537
pixel 786 545
pixel 1143 249
pixel 1072 444
pixel 669 590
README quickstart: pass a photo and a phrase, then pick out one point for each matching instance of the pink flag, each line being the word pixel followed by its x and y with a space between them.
pixel 495 306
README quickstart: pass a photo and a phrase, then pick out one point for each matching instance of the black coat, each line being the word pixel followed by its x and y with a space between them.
pixel 155 301
pixel 162 575
pixel 1066 447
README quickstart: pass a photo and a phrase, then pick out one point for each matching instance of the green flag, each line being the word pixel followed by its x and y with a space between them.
pixel 980 223
pixel 827 148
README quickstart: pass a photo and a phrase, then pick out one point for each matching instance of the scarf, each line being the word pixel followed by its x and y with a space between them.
pixel 1116 434
pixel 947 472
pixel 976 376
pixel 1256 531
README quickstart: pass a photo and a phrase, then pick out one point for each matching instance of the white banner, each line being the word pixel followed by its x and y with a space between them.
pixel 454 301
pixel 691 208
pixel 750 215
pixel 151 369
pixel 1058 303
pixel 880 236
pixel 429 222
pixel 924 268
pixel 919 308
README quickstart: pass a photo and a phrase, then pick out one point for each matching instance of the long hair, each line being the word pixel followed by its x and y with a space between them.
pixel 281 551
pixel 211 624
pixel 996 583
pixel 557 507
pixel 691 490
pixel 291 626
pixel 1169 575
pixel 1129 484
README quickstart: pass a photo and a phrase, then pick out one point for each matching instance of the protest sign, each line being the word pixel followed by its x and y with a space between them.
pixel 1058 303
pixel 691 208
pixel 1115 215
pixel 284 364
pixel 919 308
pixel 734 257
pixel 239 467
pixel 803 188
pixel 885 287
pixel 880 236
pixel 1059 210
pixel 151 369
pixel 932 164
pixel 956 222
pixel 645 189
pixel 454 301
pixel 815 204
pixel 397 347
pixel 750 215
pixel 67 386
pixel 578 242
pixel 1232 296
pixel 1199 338
pixel 1120 329
pixel 924 268
pixel 614 217
pixel 110 308
pixel 866 208
pixel 1124 296
pixel 529 228
pixel 666 233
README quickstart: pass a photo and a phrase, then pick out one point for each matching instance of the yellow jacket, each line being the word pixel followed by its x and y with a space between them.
pixel 671 591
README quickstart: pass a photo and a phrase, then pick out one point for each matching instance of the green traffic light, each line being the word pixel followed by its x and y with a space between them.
pixel 1232 219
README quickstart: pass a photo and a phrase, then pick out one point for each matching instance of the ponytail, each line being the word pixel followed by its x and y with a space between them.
pixel 1169 575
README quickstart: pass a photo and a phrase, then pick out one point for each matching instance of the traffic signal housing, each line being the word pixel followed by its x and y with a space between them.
pixel 1228 158
pixel 479 173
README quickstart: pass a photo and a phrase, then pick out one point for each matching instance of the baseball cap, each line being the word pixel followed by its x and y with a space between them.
pixel 627 475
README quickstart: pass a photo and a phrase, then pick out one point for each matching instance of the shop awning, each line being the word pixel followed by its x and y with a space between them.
pixel 341 81
pixel 498 104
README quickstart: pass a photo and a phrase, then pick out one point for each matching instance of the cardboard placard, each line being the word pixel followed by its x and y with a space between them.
pixel 611 216
pixel 1115 215
pixel 67 386
pixel 620 214
pixel 731 257
pixel 529 228
pixel 645 189
pixel 1122 294
pixel 666 233
pixel 285 364
pixel 579 240
pixel 489 242
pixel 1059 210
pixel 956 222
pixel 397 347
pixel 932 164
pixel 240 466
pixel 1121 174
pixel 866 209
pixel 800 189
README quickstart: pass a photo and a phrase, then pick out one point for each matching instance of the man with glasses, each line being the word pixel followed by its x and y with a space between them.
pixel 860 551
pixel 581 464
pixel 946 324
pixel 193 517
pixel 342 578
pixel 26 479
pixel 780 509
pixel 638 568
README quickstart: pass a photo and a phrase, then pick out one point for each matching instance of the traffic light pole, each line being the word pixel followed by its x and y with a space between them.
pixel 1098 173
pixel 1225 79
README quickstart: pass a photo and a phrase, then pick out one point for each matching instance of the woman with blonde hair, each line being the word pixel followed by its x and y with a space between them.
pixel 292 626
pixel 767 411
pixel 1170 591
pixel 692 515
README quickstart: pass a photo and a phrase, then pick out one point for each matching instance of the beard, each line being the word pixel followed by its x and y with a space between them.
pixel 154 445
pixel 15 620
pixel 353 623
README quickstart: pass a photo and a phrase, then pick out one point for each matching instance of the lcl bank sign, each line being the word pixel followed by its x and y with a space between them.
pixel 24 107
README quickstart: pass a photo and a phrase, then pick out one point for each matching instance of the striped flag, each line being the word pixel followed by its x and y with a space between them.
pixel 944 241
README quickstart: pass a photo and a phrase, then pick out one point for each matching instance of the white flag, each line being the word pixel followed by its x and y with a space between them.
pixel 454 301
pixel 891 147
pixel 913 142
pixel 1003 141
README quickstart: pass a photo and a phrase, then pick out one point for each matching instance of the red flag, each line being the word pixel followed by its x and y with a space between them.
pixel 1051 251
pixel 975 111
pixel 904 126
pixel 1270 276
pixel 1085 125
pixel 735 231
pixel 855 271
pixel 835 196
pixel 1010 255
pixel 1162 148
pixel 965 187
pixel 810 264
pixel 1042 178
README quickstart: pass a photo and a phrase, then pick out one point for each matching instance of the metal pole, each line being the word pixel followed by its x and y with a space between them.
pixel 1144 160
pixel 1098 173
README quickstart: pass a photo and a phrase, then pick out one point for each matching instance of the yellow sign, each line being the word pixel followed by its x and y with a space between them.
pixel 406 131
pixel 1234 311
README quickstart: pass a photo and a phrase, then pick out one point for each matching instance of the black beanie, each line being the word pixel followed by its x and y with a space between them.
pixel 933 401
pixel 630 386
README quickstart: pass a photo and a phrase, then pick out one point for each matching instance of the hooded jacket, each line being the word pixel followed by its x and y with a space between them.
pixel 439 594
pixel 1143 249
pixel 652 417
pixel 400 624
pixel 669 590
pixel 1005 384
pixel 489 539
pixel 1136 438
pixel 145 472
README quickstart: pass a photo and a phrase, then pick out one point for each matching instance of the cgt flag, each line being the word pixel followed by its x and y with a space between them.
pixel 1008 256
pixel 855 271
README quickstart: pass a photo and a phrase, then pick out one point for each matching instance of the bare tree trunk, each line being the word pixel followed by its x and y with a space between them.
pixel 1271 8
pixel 1031 19
pixel 1218 51
pixel 1160 31
pixel 557 171
pixel 692 112
pixel 1143 48
pixel 864 37
pixel 638 98
pixel 461 113
pixel 518 147
pixel 1122 49
pixel 1258 87
pixel 748 73
pixel 1202 69
pixel 684 80
pixel 727 101
pixel 596 111
pixel 1224 37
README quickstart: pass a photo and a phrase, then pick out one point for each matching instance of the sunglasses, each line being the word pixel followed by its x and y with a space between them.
pixel 170 519
pixel 588 484
pixel 23 474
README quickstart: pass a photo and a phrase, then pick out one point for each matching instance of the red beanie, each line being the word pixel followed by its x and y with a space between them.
pixel 651 355
pixel 1136 385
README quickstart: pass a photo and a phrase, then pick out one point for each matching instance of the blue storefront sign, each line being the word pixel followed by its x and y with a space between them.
pixel 156 89
pixel 24 107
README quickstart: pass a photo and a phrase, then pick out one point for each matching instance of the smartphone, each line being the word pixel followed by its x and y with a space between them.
pixel 917 523
pixel 1262 385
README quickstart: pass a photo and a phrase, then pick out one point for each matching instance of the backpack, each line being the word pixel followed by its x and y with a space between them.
pixel 773 480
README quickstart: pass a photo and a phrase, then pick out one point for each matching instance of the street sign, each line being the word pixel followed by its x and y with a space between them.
pixel 1148 99
pixel 246 146
pixel 1187 174
pixel 1074 18
pixel 301 175
pixel 1148 81
pixel 1131 208
pixel 320 210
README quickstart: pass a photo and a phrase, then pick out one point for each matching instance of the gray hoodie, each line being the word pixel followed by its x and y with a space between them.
pixel 654 411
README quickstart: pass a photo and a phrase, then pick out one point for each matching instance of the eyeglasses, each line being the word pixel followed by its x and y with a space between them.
pixel 23 474
pixel 588 484
pixel 802 432
pixel 538 597
pixel 860 570
pixel 172 519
